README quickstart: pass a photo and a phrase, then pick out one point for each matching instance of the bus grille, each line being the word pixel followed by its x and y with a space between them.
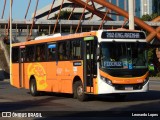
pixel 130 87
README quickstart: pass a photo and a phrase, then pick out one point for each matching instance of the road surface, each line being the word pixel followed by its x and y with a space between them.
pixel 57 105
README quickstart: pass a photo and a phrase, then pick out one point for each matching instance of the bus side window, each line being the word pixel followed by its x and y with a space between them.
pixel 68 50
pixel 76 49
pixel 63 51
pixel 40 52
pixel 15 54
pixel 30 54
pixel 51 52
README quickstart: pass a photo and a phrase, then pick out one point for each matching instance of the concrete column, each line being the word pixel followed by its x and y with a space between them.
pixel 16 32
pixel 38 29
pixel 110 10
pixel 27 30
pixel 71 31
pixel 91 28
pixel 117 4
pixel 5 29
pixel 131 14
pixel 49 30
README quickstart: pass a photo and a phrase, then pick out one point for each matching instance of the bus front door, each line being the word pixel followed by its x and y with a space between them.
pixel 21 66
pixel 89 63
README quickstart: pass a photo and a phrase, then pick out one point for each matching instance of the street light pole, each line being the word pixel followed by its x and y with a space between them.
pixel 10 65
pixel 131 14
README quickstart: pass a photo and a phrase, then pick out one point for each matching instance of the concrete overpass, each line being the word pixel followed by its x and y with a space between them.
pixel 21 27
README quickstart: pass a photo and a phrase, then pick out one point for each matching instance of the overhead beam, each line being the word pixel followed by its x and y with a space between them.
pixel 3 9
pixel 27 9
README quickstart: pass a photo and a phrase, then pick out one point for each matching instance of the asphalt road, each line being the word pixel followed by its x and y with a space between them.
pixel 56 105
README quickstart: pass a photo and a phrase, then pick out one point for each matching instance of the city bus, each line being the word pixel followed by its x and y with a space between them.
pixel 89 63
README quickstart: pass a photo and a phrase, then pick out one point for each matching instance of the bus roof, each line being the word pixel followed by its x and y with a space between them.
pixel 56 37
pixel 59 37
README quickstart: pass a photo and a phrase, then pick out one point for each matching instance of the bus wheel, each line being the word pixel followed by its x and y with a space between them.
pixel 79 91
pixel 33 87
pixel 74 91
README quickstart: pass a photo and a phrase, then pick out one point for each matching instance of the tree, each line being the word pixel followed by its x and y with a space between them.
pixel 148 17
pixel 154 15
pixel 64 15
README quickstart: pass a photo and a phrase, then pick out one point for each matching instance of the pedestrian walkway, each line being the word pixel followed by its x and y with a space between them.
pixel 154 78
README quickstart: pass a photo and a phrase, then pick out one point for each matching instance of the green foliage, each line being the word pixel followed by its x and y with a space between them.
pixel 150 55
pixel 8 48
pixel 148 17
pixel 64 15
pixel 154 15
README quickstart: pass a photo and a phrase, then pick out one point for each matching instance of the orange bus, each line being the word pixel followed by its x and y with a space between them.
pixel 96 62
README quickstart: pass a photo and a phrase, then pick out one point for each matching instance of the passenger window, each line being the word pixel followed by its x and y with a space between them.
pixel 30 54
pixel 61 51
pixel 51 51
pixel 64 52
pixel 15 54
pixel 40 52
pixel 76 49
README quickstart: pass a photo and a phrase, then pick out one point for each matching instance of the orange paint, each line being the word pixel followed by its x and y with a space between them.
pixel 120 80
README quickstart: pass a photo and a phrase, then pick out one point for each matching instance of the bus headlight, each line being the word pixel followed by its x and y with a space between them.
pixel 145 80
pixel 109 82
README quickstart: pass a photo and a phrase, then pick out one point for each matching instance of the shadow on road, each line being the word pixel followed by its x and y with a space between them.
pixel 21 105
pixel 153 106
pixel 131 97
pixel 147 108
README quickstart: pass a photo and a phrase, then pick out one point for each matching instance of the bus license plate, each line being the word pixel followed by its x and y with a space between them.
pixel 128 88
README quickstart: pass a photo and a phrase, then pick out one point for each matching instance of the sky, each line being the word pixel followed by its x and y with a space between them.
pixel 20 7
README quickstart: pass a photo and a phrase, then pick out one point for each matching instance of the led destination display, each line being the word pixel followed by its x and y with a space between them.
pixel 122 35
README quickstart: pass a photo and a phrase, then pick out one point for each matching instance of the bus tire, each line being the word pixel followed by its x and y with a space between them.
pixel 33 87
pixel 74 91
pixel 79 91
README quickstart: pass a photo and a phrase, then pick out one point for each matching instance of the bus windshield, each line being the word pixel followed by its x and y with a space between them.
pixel 123 55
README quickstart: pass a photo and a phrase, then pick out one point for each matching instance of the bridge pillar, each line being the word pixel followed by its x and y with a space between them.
pixel 5 27
pixel 91 28
pixel 27 30
pixel 49 30
pixel 71 31
pixel 38 28
pixel 16 33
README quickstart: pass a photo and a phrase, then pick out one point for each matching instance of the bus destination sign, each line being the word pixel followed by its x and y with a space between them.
pixel 122 35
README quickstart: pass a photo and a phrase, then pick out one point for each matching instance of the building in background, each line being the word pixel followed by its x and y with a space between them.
pixel 156 6
pixel 146 7
pixel 141 7
pixel 67 6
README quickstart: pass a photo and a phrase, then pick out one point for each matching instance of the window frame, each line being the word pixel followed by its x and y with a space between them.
pixel 17 61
